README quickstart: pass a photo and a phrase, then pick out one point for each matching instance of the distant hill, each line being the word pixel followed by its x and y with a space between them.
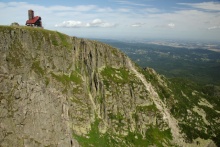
pixel 57 90
pixel 197 64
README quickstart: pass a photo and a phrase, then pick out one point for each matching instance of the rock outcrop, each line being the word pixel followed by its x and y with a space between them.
pixel 63 91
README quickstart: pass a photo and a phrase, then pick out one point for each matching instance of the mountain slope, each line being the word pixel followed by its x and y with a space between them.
pixel 58 90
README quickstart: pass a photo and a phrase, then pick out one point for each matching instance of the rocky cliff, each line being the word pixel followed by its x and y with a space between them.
pixel 63 91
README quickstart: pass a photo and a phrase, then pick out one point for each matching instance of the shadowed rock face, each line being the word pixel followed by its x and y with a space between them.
pixel 49 87
pixel 57 90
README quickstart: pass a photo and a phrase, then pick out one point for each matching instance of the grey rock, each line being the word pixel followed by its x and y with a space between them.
pixel 59 86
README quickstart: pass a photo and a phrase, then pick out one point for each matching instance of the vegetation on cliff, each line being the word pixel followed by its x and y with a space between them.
pixel 58 90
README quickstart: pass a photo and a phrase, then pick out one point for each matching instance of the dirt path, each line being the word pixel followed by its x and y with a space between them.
pixel 160 106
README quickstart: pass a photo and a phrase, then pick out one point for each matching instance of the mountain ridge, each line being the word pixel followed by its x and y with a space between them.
pixel 58 90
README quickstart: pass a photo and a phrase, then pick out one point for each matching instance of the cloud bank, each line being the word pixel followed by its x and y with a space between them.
pixel 79 24
pixel 214 27
pixel 171 25
pixel 137 24
pixel 210 6
pixel 126 19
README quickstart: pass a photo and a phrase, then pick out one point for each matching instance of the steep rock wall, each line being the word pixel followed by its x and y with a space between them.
pixel 57 90
pixel 48 85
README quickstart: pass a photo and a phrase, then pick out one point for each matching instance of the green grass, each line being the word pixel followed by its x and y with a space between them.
pixel 179 98
pixel 14 59
pixel 162 91
pixel 37 68
pixel 194 126
pixel 119 118
pixel 120 75
pixel 157 137
pixel 48 34
pixel 95 138
pixel 66 79
pixel 153 136
pixel 75 77
pixel 150 108
pixel 16 53
pixel 186 87
pixel 192 132
pixel 54 40
pixel 100 99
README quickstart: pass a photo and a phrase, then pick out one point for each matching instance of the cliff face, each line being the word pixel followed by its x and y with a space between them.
pixel 57 90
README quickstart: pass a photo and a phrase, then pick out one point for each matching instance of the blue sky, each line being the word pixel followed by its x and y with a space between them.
pixel 121 19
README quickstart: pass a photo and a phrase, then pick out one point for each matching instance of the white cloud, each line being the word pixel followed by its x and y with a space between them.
pixel 85 8
pixel 71 24
pixel 211 6
pixel 171 25
pixel 100 23
pixel 105 10
pixel 123 2
pixel 124 10
pixel 59 8
pixel 193 21
pixel 14 4
pixel 165 26
pixel 187 20
pixel 214 27
pixel 77 24
pixel 137 25
pixel 152 10
pixel 25 5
